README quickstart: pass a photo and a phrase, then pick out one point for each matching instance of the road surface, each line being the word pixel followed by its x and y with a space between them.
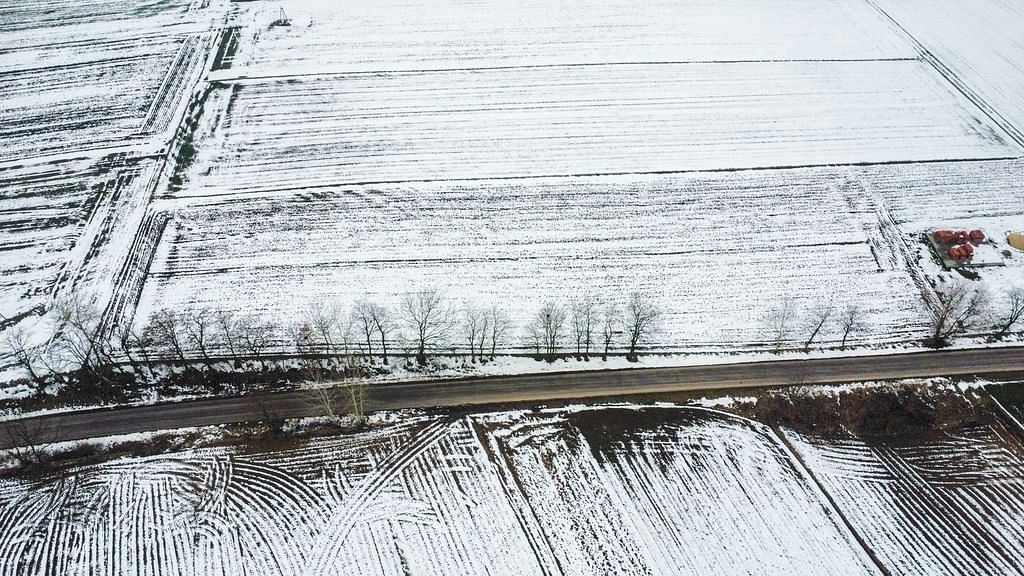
pixel 526 388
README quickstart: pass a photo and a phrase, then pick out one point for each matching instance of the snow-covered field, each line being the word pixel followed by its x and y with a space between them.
pixel 90 97
pixel 721 156
pixel 391 35
pixel 91 75
pixel 581 490
pixel 716 251
pixel 976 45
pixel 307 133
pixel 948 506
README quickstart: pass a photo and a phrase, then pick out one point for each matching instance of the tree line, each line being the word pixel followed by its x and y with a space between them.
pixel 347 340
pixel 344 339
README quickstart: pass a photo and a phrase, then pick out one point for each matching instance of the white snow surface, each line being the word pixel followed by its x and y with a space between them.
pixel 707 153
pixel 716 251
pixel 588 490
pixel 502 493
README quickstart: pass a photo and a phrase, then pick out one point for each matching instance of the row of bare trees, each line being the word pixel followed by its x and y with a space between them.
pixel 959 309
pixel 590 324
pixel 962 308
pixel 427 322
pixel 785 323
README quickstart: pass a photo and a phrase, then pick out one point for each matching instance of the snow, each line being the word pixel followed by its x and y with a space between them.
pixel 379 148
pixel 951 506
pixel 432 495
pixel 389 35
pixel 566 121
pixel 744 241
pixel 623 489
pixel 977 45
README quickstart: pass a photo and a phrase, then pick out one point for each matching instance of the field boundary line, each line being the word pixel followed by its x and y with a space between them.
pixel 259 193
pixel 241 78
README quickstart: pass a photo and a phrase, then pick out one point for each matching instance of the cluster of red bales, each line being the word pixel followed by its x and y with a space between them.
pixel 963 242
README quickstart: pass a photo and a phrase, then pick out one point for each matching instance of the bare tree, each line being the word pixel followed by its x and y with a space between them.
pixel 584 322
pixel 534 334
pixel 254 335
pixel 197 327
pixel 642 318
pixel 484 336
pixel 30 438
pixel 500 327
pixel 545 331
pixel 166 333
pixel 429 317
pixel 80 338
pixel 473 325
pixel 129 341
pixel 26 355
pixel 611 326
pixel 330 333
pixel 362 319
pixel 956 311
pixel 849 323
pixel 1012 314
pixel 817 320
pixel 384 326
pixel 225 332
pixel 779 322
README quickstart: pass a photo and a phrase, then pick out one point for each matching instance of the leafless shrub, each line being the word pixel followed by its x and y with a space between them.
pixel 356 394
pixel 642 317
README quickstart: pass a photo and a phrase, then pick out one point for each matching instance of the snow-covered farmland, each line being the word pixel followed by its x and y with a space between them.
pixel 976 45
pixel 389 35
pixel 952 505
pixel 305 133
pixel 743 241
pixel 97 75
pixel 721 156
pixel 67 227
pixel 664 491
pixel 90 96
pixel 575 491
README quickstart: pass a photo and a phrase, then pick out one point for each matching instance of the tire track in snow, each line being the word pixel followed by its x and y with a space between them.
pixel 511 486
pixel 993 115
pixel 346 514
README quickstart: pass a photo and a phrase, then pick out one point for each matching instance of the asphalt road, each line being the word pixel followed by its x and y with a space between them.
pixel 526 388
